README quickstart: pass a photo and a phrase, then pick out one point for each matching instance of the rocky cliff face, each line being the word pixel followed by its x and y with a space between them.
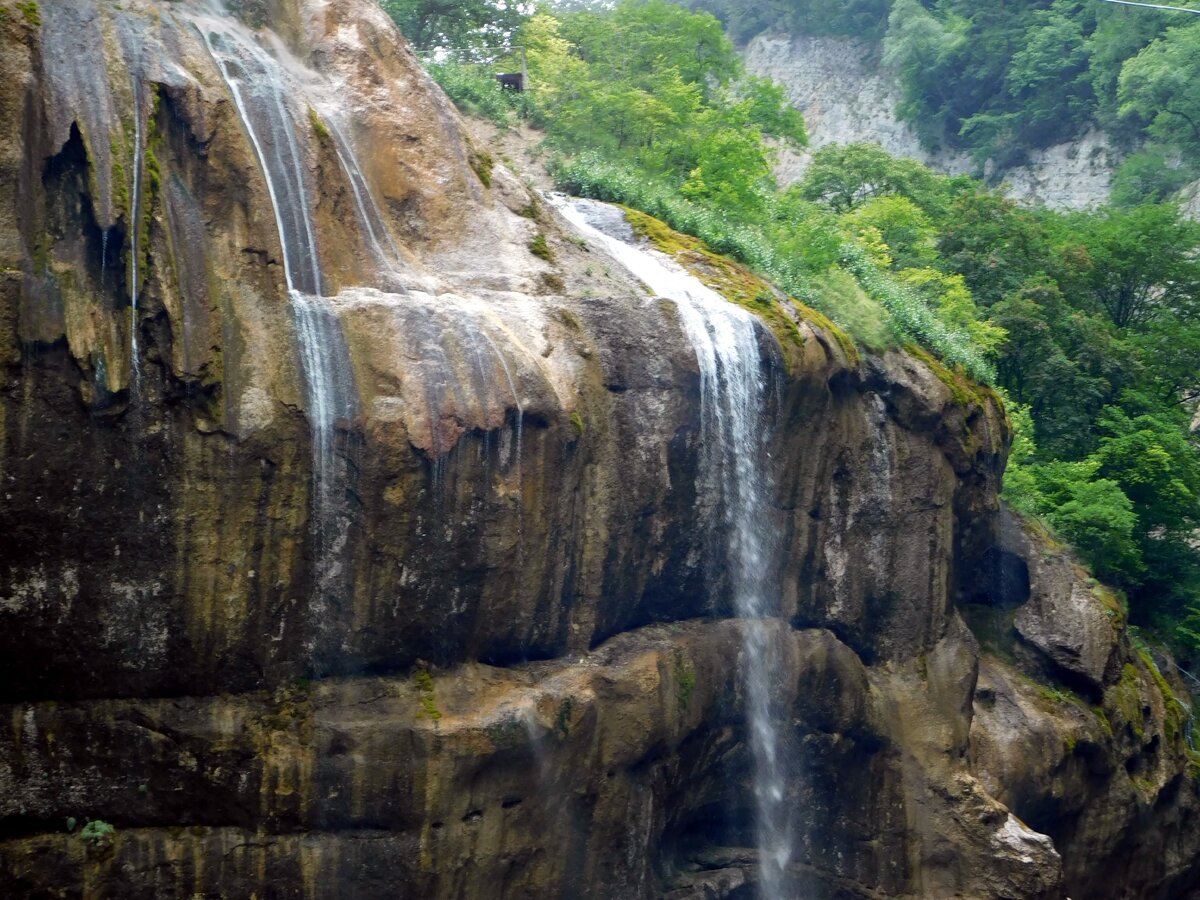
pixel 405 580
pixel 846 96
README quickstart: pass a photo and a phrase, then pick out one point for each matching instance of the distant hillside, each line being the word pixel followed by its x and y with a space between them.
pixel 1058 98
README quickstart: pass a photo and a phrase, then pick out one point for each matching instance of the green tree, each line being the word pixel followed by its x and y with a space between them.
pixel 995 244
pixel 1154 459
pixel 1142 262
pixel 1098 519
pixel 457 23
pixel 903 225
pixel 1161 87
pixel 846 176
pixel 1151 175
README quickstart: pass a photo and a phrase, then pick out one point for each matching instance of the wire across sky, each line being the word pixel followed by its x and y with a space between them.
pixel 1155 6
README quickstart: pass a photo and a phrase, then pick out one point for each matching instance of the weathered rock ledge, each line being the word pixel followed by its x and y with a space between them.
pixel 505 665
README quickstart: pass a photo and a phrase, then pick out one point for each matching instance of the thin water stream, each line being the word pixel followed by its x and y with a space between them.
pixel 135 228
pixel 735 424
pixel 261 89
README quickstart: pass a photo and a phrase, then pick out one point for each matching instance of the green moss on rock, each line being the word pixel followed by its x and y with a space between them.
pixel 736 283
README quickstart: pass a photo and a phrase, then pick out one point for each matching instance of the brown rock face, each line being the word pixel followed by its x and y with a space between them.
pixel 454 621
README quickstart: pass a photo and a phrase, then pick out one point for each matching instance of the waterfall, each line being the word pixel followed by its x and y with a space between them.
pixel 735 428
pixel 386 252
pixel 257 84
pixel 135 228
pixel 260 88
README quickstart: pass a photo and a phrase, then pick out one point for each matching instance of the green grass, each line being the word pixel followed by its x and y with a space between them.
pixel 539 248
pixel 881 312
pixel 33 15
pixel 476 92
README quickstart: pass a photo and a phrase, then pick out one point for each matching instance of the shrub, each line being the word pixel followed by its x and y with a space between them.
pixel 475 91
pixel 96 832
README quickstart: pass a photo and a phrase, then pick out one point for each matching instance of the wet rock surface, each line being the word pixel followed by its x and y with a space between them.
pixel 505 664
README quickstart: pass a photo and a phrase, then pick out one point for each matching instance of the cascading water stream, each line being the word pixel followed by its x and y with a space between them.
pixel 259 89
pixel 735 426
pixel 135 228
pixel 386 252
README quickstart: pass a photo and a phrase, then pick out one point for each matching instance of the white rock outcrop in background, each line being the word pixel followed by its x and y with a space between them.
pixel 846 96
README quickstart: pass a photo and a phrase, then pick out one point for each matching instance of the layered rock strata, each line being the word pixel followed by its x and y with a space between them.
pixel 510 669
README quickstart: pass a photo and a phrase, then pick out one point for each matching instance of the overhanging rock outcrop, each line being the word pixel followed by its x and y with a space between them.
pixel 448 623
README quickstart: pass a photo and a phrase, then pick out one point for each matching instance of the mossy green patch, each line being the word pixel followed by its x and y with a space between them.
pixel 562 721
pixel 1049 540
pixel 826 324
pixel 320 129
pixel 1176 712
pixel 551 283
pixel 1125 700
pixel 1112 603
pixel 424 684
pixel 577 422
pixel 685 681
pixel 731 280
pixel 539 248
pixel 482 164
pixel 33 15
pixel 965 390
pixel 1055 694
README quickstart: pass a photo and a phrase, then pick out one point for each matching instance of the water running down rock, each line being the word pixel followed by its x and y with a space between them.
pixel 736 356
pixel 539 525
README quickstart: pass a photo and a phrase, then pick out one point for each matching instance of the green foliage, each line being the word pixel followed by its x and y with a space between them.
pixel 743 20
pixel 1140 261
pixel 1151 175
pixel 843 176
pixel 539 248
pixel 1159 87
pixel 320 129
pixel 425 689
pixel 1098 519
pixel 32 14
pixel 913 317
pixel 457 23
pixel 672 104
pixel 1020 487
pixel 482 164
pixel 96 832
pixel 901 224
pixel 475 91
pixel 685 681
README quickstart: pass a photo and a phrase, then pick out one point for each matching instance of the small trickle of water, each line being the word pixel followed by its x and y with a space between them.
pixel 736 430
pixel 260 90
pixel 387 254
pixel 135 230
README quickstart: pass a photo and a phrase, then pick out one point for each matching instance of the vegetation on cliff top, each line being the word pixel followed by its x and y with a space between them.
pixel 1026 75
pixel 1089 321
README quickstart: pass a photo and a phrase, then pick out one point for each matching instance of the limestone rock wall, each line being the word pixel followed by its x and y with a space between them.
pixel 847 96
pixel 509 670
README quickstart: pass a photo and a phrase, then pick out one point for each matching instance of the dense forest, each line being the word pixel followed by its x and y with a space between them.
pixel 998 80
pixel 1088 323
